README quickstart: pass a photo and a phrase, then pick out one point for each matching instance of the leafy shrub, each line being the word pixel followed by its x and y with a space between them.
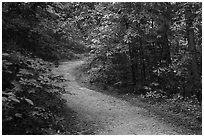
pixel 31 103
pixel 155 96
pixel 189 108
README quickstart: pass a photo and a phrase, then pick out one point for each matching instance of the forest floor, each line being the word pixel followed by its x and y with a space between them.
pixel 107 114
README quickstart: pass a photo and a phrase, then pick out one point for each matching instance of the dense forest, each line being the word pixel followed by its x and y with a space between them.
pixel 149 49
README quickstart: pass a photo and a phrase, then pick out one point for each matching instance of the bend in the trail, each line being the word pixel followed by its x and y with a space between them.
pixel 109 114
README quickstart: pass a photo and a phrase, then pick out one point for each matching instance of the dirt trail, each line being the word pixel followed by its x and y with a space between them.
pixel 112 115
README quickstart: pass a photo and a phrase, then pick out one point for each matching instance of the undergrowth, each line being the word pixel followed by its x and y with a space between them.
pixel 31 102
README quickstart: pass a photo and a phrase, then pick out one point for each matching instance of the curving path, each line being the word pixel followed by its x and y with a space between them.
pixel 111 115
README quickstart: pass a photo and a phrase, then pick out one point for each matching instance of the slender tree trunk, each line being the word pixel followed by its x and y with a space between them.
pixel 132 64
pixel 166 49
pixel 192 47
pixel 125 27
pixel 161 47
pixel 152 22
pixel 166 56
pixel 142 61
pixel 165 20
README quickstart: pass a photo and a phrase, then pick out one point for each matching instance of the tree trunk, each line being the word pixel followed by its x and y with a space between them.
pixel 143 76
pixel 165 43
pixel 192 48
pixel 165 22
pixel 166 49
pixel 132 64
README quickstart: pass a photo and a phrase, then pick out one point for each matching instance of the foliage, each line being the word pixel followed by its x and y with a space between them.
pixel 153 48
pixel 41 28
pixel 188 108
pixel 144 43
pixel 31 103
pixel 34 32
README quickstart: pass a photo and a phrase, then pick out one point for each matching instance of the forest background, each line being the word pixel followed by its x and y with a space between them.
pixel 150 49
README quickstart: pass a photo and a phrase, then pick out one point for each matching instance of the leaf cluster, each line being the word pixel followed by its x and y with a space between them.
pixel 31 102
